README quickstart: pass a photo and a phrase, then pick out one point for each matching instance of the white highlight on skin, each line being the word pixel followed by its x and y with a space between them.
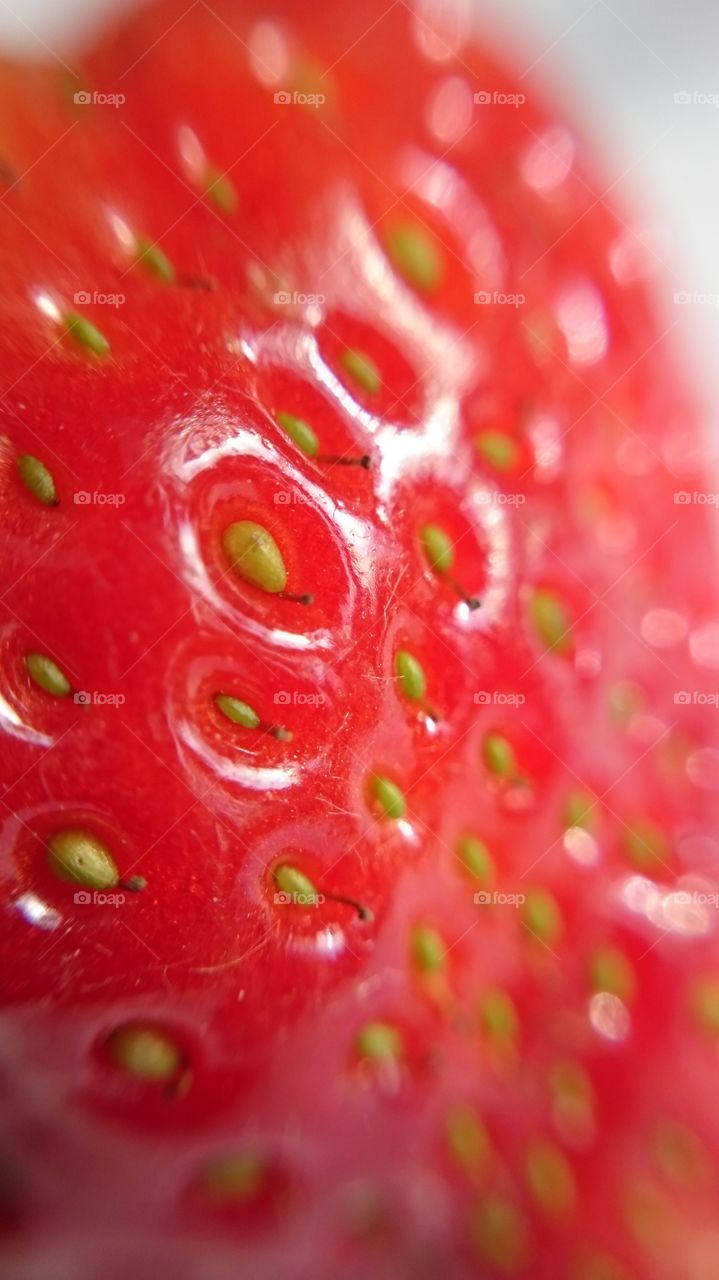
pixel 548 160
pixel 609 1016
pixel 582 319
pixel 450 109
pixel 37 912
pixel 269 55
pixel 663 628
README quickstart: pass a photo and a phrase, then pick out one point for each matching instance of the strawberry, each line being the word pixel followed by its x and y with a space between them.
pixel 358 630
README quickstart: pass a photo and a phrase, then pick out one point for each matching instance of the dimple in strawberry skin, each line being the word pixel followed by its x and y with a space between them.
pixel 358 644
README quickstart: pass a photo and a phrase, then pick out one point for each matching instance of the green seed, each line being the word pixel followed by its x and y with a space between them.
pixel 362 370
pixel 569 1080
pixel 498 755
pixel 47 675
pixel 645 1210
pixel 220 190
pixel 498 449
pixel 255 556
pixel 679 1153
pixel 299 431
pixel 467 1138
pixel 36 477
pixel 86 334
pixel 551 620
pixel 295 884
pixel 389 797
pixel 151 256
pixel 428 949
pixel 380 1042
pixel 647 846
pixel 542 916
pixel 610 971
pixel 499 1016
pixel 236 1178
pixel 80 857
pixel 145 1052
pixel 308 77
pixel 499 1235
pixel 599 1266
pixel 477 859
pixel 437 548
pixel 581 809
pixel 550 1179
pixel 625 699
pixel 410 675
pixel 237 711
pixel 573 1101
pixel 416 256
pixel 705 1004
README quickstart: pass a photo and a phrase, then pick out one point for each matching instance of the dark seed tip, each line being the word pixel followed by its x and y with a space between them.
pixel 205 283
pixel 279 732
pixel 135 884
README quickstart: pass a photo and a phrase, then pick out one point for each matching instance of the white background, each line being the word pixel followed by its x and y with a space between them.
pixel 620 62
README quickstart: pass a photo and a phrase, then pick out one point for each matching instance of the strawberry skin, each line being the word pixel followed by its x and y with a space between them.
pixel 359 816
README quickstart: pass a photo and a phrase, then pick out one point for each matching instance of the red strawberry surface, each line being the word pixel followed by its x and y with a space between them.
pixel 358 829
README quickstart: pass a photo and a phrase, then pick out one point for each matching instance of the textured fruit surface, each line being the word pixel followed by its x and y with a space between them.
pixel 359 824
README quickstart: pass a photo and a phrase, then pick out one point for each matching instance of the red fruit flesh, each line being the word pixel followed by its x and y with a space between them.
pixel 375 968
